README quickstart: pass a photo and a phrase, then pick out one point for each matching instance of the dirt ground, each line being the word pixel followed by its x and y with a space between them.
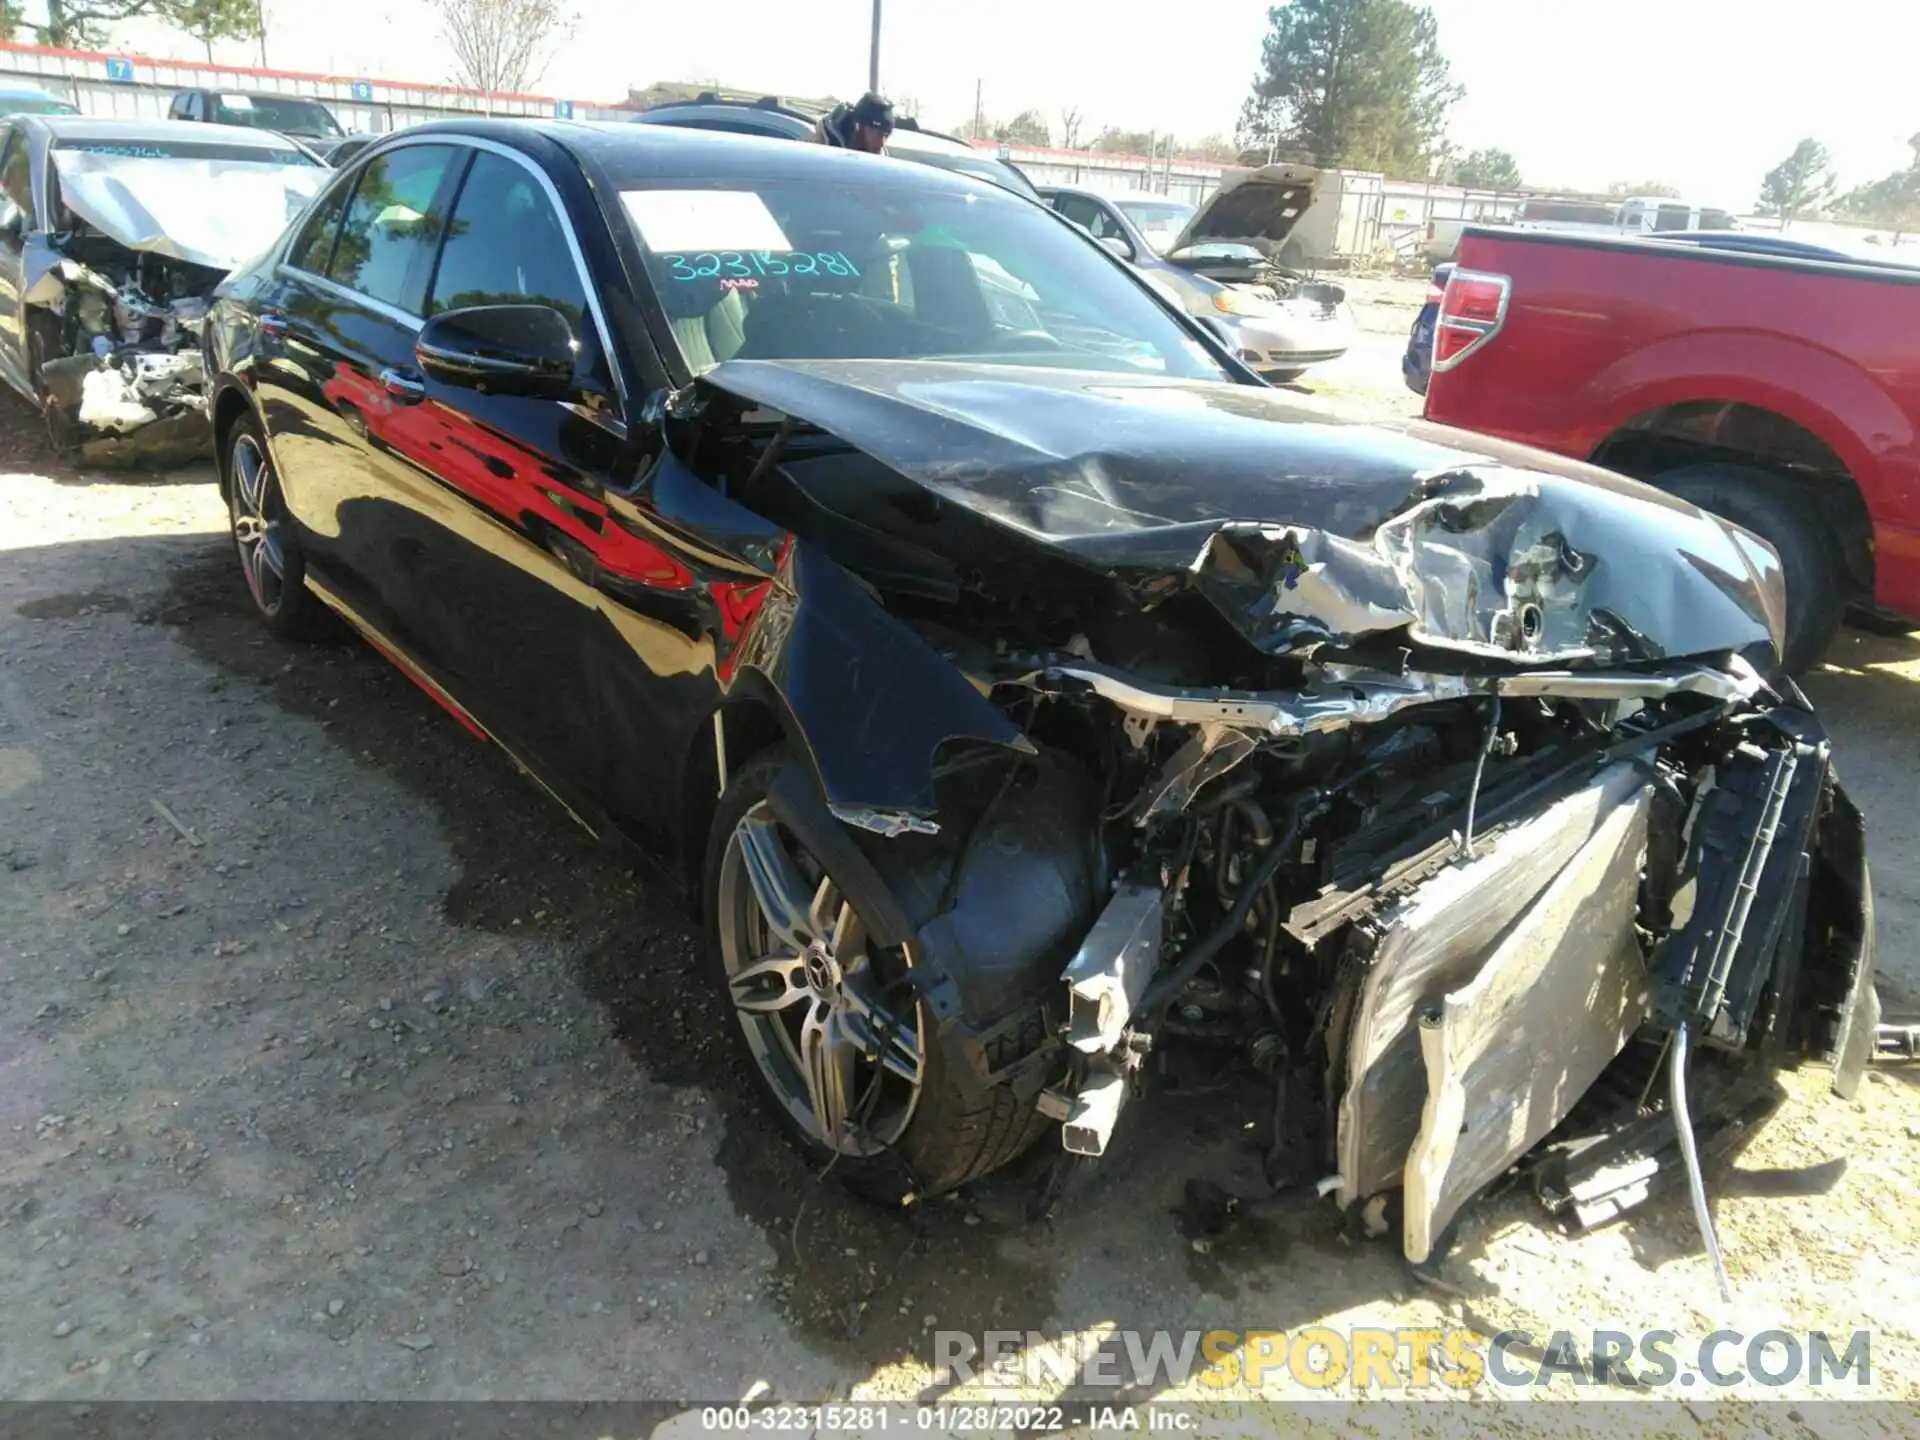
pixel 335 1064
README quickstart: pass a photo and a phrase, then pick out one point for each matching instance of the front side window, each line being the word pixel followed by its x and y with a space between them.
pixel 1076 208
pixel 1672 217
pixel 785 270
pixel 391 223
pixel 506 246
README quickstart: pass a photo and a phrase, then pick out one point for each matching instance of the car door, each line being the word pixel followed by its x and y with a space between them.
pixel 553 611
pixel 338 331
pixel 16 220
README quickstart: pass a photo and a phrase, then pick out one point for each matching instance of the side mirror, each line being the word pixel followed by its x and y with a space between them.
pixel 1118 245
pixel 500 349
pixel 13 220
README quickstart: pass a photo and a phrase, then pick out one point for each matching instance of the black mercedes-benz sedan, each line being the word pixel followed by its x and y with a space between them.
pixel 1030 690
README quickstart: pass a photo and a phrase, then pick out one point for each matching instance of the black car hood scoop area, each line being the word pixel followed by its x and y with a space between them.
pixel 1299 525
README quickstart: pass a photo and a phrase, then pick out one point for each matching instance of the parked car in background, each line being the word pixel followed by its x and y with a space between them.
pixel 26 100
pixel 1213 262
pixel 113 235
pixel 1416 366
pixel 773 118
pixel 1773 387
pixel 969 653
pixel 300 116
pixel 336 152
pixel 1657 215
pixel 1568 217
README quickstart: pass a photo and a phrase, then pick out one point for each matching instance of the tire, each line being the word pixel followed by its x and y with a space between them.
pixel 42 340
pixel 271 563
pixel 919 1138
pixel 1780 512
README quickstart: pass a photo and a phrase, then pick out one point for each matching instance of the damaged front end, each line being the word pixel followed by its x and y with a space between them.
pixel 116 294
pixel 1446 789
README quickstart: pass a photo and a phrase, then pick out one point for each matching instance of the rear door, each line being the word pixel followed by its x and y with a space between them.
pixel 340 332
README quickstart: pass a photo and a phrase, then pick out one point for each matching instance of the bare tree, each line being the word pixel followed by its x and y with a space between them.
pixel 1071 119
pixel 503 45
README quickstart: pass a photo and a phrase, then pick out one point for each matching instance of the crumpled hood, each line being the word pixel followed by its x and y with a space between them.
pixel 1298 524
pixel 216 213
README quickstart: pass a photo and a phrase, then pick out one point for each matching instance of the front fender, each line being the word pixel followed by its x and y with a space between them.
pixel 867 699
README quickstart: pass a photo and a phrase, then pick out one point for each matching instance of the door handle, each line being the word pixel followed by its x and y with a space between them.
pixel 407 389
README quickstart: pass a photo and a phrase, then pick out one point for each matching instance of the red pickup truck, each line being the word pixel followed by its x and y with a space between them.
pixel 1782 393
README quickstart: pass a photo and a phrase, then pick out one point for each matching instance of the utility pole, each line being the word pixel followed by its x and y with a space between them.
pixel 260 28
pixel 979 115
pixel 873 54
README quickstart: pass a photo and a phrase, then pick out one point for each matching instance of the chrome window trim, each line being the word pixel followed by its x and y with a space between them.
pixel 580 270
pixel 415 322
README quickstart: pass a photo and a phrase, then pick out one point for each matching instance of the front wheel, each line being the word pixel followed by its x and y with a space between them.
pixel 841 1046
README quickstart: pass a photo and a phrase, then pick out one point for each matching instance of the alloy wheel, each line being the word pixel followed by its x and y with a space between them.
pixel 255 509
pixel 841 1054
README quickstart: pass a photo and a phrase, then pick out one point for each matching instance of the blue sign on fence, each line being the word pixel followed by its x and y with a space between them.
pixel 120 71
pixel 363 91
pixel 563 109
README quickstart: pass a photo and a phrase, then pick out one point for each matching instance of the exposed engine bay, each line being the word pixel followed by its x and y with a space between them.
pixel 124 345
pixel 117 284
pixel 1454 798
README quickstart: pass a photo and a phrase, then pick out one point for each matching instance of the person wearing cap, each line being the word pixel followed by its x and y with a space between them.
pixel 864 124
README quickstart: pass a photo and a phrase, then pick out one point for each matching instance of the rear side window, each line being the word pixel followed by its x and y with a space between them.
pixel 506 246
pixel 313 246
pixel 1715 220
pixel 391 223
pixel 1672 217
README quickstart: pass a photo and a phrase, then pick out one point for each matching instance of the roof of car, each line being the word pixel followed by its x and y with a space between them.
pixel 685 152
pixel 157 132
pixel 16 92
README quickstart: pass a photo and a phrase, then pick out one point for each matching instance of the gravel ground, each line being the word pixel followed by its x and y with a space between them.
pixel 337 1064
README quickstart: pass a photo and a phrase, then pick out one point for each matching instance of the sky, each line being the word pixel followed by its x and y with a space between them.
pixel 1706 95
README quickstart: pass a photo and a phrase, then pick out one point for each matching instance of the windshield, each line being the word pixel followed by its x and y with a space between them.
pixel 1160 221
pixel 35 105
pixel 981 167
pixel 765 269
pixel 277 112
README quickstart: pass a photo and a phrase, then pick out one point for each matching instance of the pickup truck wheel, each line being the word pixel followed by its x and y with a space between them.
pixel 841 1048
pixel 1782 514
